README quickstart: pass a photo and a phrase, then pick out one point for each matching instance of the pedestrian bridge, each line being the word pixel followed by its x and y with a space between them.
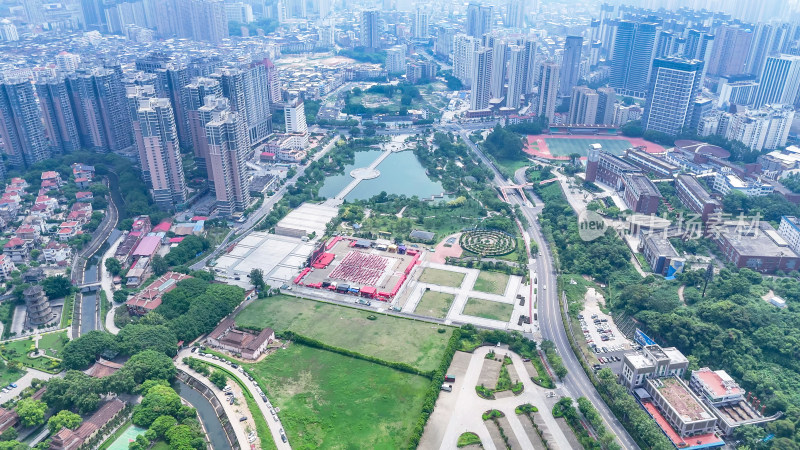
pixel 89 287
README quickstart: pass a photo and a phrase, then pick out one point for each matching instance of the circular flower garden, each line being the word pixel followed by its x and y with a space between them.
pixel 488 242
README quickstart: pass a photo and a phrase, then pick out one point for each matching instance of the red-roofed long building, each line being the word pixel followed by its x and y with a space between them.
pixel 149 298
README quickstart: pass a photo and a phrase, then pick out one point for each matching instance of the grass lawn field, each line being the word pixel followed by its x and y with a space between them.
pixel 389 338
pixel 441 277
pixel 8 376
pixel 491 282
pixel 564 147
pixel 434 304
pixel 488 309
pixel 510 166
pixel 53 343
pixel 331 401
pixel 18 351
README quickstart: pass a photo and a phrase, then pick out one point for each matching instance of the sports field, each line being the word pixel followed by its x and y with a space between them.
pixel 388 338
pixel 561 146
pixel 488 309
pixel 328 400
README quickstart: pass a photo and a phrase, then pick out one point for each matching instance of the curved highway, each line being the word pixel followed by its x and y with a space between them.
pixel 576 383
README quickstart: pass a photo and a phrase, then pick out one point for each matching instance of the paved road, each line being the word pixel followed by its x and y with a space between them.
pixel 469 406
pixel 230 410
pixel 25 381
pixel 274 427
pixel 576 383
pixel 107 282
pixel 255 217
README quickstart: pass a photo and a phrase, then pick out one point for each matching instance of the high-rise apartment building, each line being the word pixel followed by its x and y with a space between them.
pixel 59 118
pixel 419 27
pixel 100 107
pixel 529 75
pixel 201 20
pixel 674 86
pixel 515 14
pixel 8 31
pixel 548 90
pixel 396 59
pixel 766 128
pixel 583 106
pixel 443 46
pixel 161 149
pixel 22 134
pixel 479 20
pixel 228 151
pixel 764 40
pixel 247 88
pixel 481 79
pixel 370 37
pixel 633 50
pixel 516 76
pixel 780 81
pixel 171 80
pixel 606 97
pixel 464 48
pixel 729 55
pixel 570 65
pixel 499 65
pixel 195 98
pixel 67 62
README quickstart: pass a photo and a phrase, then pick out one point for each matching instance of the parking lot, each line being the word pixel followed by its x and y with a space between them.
pixel 601 333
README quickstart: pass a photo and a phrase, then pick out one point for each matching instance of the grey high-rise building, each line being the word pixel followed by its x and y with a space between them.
pixel 529 75
pixel 729 55
pixel 515 13
pixel 583 106
pixel 762 46
pixel 632 57
pixel 228 152
pixel 674 86
pixel 606 97
pixel 100 106
pixel 59 118
pixel 499 65
pixel 159 136
pixel 570 65
pixel 516 75
pixel 201 20
pixel 481 79
pixel 370 37
pixel 780 81
pixel 22 134
pixel 419 27
pixel 548 90
pixel 479 20
pixel 443 46
pixel 665 44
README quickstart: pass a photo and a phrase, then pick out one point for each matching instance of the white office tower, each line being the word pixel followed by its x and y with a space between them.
pixel 159 137
pixel 396 59
pixel 737 93
pixel 464 48
pixel 8 31
pixel 370 38
pixel 548 90
pixel 327 35
pixel 228 153
pixel 583 106
pixel 67 62
pixel 674 85
pixel 295 116
pixel 515 14
pixel 516 76
pixel 499 52
pixel 419 28
pixel 779 81
pixel 481 79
